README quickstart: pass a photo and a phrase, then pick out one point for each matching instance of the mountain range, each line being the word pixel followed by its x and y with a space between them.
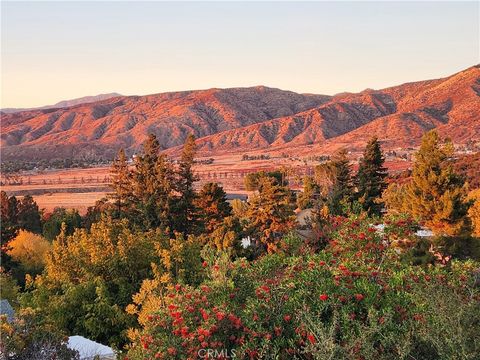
pixel 64 103
pixel 239 120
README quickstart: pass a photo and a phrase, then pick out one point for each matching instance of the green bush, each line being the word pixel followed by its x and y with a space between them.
pixel 353 300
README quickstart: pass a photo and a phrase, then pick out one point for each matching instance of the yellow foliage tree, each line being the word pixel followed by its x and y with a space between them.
pixel 29 249
pixel 474 211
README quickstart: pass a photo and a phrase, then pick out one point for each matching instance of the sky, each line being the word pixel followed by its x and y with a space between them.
pixel 52 51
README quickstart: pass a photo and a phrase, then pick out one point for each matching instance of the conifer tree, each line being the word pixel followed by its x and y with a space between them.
pixel 335 180
pixel 212 206
pixel 436 193
pixel 164 194
pixel 8 225
pixel 370 179
pixel 145 184
pixel 121 184
pixel 185 210
pixel 29 215
pixel 310 194
pixel 270 212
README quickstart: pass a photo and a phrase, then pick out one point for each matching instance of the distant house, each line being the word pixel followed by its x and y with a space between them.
pixel 7 310
pixel 422 232
pixel 242 197
pixel 90 350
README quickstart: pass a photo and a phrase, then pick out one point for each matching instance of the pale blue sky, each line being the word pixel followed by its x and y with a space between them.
pixel 60 50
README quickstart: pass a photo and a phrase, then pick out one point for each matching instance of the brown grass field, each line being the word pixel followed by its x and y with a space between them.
pixel 81 188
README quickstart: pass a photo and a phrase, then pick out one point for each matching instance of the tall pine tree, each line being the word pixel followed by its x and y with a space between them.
pixel 335 181
pixel 370 179
pixel 436 193
pixel 121 183
pixel 165 191
pixel 270 213
pixel 212 206
pixel 8 226
pixel 144 184
pixel 29 215
pixel 185 210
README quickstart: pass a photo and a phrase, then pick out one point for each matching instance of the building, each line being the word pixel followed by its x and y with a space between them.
pixel 7 310
pixel 90 350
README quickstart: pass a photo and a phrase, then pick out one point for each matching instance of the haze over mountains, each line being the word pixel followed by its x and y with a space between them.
pixel 64 103
pixel 239 120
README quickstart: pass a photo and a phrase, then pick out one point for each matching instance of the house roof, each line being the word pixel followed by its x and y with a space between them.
pixel 6 309
pixel 89 349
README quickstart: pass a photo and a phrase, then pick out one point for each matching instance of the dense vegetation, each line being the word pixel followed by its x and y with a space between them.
pixel 163 270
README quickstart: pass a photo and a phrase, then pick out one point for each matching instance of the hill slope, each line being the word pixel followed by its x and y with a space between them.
pixel 102 127
pixel 398 116
pixel 245 119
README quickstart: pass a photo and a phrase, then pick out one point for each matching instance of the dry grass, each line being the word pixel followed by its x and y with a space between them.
pixel 80 188
pixel 79 201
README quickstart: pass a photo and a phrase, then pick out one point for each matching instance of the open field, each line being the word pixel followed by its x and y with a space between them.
pixel 81 188
pixel 79 201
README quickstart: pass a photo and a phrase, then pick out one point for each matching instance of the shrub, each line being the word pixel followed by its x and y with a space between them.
pixel 354 299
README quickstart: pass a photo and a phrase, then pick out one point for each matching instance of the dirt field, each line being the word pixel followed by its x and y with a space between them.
pixel 79 201
pixel 81 188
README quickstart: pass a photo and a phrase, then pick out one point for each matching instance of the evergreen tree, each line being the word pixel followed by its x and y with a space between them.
pixel 335 181
pixel 252 180
pixel 436 193
pixel 29 216
pixel 370 179
pixel 310 194
pixel 9 217
pixel 270 213
pixel 8 226
pixel 185 210
pixel 165 189
pixel 121 184
pixel 145 184
pixel 95 212
pixel 212 206
pixel 52 225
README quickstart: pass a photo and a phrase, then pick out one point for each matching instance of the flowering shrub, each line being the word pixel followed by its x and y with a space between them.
pixel 353 300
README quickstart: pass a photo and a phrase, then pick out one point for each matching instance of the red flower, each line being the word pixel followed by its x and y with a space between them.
pixel 418 317
pixel 278 330
pixel 359 297
pixel 204 264
pixel 324 297
pixel 311 338
pixel 204 314
pixel 287 318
